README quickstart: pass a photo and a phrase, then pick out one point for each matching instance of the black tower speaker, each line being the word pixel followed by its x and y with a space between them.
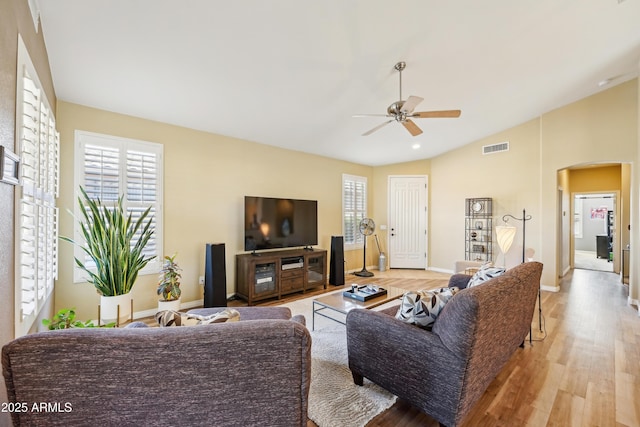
pixel 215 276
pixel 336 265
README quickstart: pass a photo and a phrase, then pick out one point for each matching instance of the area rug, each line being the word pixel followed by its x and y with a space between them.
pixel 334 399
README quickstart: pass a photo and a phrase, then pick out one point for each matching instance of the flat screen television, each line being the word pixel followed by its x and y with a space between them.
pixel 271 223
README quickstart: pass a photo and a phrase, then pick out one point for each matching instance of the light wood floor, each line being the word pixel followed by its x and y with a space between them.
pixel 583 370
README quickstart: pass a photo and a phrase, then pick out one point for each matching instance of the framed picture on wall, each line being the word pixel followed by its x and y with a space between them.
pixel 9 166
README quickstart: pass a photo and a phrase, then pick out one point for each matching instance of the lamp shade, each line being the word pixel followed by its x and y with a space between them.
pixel 505 235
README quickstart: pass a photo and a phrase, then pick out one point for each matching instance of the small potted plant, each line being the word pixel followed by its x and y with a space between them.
pixel 66 319
pixel 169 285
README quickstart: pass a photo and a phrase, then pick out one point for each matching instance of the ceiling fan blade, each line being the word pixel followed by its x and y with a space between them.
pixel 410 104
pixel 436 114
pixel 371 115
pixel 369 132
pixel 412 127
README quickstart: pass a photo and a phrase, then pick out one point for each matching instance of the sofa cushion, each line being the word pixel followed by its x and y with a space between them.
pixel 173 318
pixel 486 272
pixel 422 308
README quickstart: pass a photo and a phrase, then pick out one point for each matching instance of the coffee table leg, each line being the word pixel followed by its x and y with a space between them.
pixel 313 317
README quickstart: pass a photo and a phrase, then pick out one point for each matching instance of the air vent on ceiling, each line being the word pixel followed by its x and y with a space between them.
pixel 495 148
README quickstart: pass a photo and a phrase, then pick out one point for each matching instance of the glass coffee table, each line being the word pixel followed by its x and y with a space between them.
pixel 335 306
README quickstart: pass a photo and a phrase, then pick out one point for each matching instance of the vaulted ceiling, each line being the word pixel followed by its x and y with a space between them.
pixel 292 73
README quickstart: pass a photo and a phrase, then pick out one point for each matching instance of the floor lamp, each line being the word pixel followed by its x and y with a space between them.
pixel 506 234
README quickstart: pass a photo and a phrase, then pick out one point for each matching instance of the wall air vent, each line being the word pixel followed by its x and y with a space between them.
pixel 495 148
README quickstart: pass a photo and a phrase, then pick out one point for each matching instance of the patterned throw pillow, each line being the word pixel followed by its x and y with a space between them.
pixel 423 307
pixel 173 318
pixel 486 272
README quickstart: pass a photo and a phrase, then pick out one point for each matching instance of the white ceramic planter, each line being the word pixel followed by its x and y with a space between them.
pixel 169 305
pixel 109 308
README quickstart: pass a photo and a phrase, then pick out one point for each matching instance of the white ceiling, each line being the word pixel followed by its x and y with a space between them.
pixel 291 73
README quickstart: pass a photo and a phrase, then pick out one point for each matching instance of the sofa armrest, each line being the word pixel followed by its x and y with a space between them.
pixel 459 280
pixel 300 319
pixel 378 344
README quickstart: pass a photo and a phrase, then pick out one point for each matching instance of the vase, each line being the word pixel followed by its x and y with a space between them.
pixel 109 308
pixel 173 305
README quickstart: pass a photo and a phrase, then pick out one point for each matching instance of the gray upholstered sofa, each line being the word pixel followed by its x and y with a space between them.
pixel 228 374
pixel 444 372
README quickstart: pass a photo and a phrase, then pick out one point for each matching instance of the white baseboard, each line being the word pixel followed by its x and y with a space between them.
pixel 632 302
pixel 549 288
pixel 440 270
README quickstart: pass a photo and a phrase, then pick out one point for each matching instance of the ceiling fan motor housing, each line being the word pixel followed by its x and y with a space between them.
pixel 395 110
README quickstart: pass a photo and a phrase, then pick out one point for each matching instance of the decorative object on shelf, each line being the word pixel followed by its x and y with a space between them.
pixel 478 229
pixel 477 206
pixel 9 166
pixel 367 227
pixel 169 285
pixel 115 244
pixel 525 251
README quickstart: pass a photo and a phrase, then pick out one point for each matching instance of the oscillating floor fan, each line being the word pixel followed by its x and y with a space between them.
pixel 367 227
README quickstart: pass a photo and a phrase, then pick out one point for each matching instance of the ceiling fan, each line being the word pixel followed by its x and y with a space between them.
pixel 402 111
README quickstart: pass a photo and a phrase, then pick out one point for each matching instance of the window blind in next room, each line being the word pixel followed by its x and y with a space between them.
pixel 354 208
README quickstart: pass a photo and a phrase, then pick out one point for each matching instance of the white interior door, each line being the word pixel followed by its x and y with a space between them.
pixel 408 222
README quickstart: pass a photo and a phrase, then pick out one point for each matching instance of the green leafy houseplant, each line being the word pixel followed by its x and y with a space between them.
pixel 115 243
pixel 169 284
pixel 66 319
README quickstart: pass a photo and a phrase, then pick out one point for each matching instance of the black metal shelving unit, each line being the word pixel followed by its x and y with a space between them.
pixel 479 229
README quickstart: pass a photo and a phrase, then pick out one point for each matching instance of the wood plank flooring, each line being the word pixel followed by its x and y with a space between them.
pixel 582 370
pixel 585 372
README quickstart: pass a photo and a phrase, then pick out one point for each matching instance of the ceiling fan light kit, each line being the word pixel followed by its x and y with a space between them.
pixel 402 111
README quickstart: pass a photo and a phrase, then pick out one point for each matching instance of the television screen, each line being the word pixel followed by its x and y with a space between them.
pixel 271 223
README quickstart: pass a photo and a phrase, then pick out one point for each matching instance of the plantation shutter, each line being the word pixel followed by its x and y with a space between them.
pixel 38 145
pixel 111 167
pixel 142 185
pixel 354 207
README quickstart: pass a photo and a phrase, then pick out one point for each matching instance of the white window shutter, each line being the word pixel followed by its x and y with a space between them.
pixel 354 207
pixel 38 145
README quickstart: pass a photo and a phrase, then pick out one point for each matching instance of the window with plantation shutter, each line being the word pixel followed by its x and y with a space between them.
pixel 354 208
pixel 37 144
pixel 108 167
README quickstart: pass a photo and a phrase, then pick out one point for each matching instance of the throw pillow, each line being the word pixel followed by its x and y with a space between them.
pixel 173 318
pixel 423 307
pixel 486 272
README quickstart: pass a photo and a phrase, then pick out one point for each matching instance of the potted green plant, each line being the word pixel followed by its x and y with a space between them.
pixel 66 319
pixel 169 285
pixel 114 242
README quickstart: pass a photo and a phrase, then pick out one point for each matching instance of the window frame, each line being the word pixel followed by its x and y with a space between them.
pixel 358 213
pixel 37 145
pixel 124 147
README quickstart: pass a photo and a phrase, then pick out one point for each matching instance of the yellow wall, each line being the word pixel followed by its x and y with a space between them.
pixel 596 179
pixel 605 179
pixel 597 129
pixel 510 178
pixel 206 177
